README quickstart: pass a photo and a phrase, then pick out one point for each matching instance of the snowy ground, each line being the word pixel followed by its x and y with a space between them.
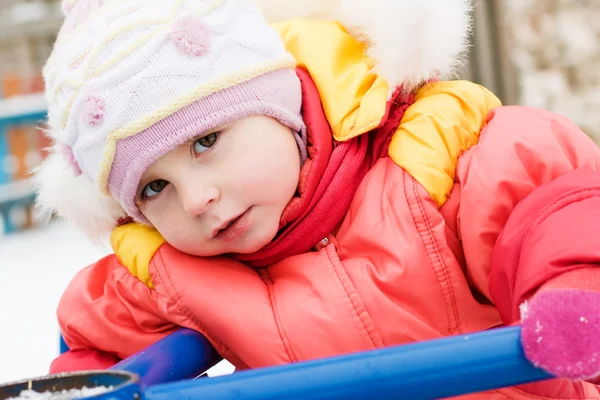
pixel 34 270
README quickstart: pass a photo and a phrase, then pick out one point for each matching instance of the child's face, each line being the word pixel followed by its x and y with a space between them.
pixel 245 172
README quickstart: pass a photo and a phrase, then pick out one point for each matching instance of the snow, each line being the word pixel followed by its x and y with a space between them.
pixel 35 268
pixel 62 395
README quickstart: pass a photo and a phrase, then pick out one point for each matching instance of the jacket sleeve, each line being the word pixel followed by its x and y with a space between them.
pixel 545 275
pixel 520 150
pixel 550 241
pixel 107 314
pixel 83 360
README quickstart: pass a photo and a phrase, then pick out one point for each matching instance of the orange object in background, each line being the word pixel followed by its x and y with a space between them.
pixel 16 85
pixel 12 85
pixel 26 143
pixel 25 150
pixel 18 148
pixel 23 147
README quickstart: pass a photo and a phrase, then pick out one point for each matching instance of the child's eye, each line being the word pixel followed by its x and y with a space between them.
pixel 154 188
pixel 204 143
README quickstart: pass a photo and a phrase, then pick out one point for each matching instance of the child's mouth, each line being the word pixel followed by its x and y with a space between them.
pixel 234 228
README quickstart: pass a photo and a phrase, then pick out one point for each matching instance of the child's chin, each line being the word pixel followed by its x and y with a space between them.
pixel 258 240
pixel 256 245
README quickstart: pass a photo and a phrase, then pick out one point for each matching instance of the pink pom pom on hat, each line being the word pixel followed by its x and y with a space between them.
pixel 191 35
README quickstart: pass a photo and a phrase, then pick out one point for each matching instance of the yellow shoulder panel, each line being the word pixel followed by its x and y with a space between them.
pixel 354 98
pixel 134 245
pixel 443 123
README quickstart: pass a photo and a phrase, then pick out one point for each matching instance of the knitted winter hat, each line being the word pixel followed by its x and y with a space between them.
pixel 130 80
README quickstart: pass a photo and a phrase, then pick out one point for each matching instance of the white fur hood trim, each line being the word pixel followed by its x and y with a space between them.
pixel 74 198
pixel 410 41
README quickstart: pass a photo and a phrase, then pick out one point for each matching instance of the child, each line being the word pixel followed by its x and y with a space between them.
pixel 313 188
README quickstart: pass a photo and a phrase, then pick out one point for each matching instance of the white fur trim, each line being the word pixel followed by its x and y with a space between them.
pixel 524 310
pixel 411 41
pixel 74 198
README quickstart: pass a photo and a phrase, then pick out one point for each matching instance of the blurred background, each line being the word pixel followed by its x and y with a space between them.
pixel 541 53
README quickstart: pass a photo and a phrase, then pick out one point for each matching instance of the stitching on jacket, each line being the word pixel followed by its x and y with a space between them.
pixel 435 257
pixel 182 308
pixel 501 393
pixel 349 290
pixel 285 341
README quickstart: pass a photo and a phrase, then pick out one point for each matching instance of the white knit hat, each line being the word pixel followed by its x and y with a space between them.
pixel 130 80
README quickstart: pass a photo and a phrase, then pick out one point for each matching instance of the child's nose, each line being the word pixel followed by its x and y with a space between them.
pixel 198 200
